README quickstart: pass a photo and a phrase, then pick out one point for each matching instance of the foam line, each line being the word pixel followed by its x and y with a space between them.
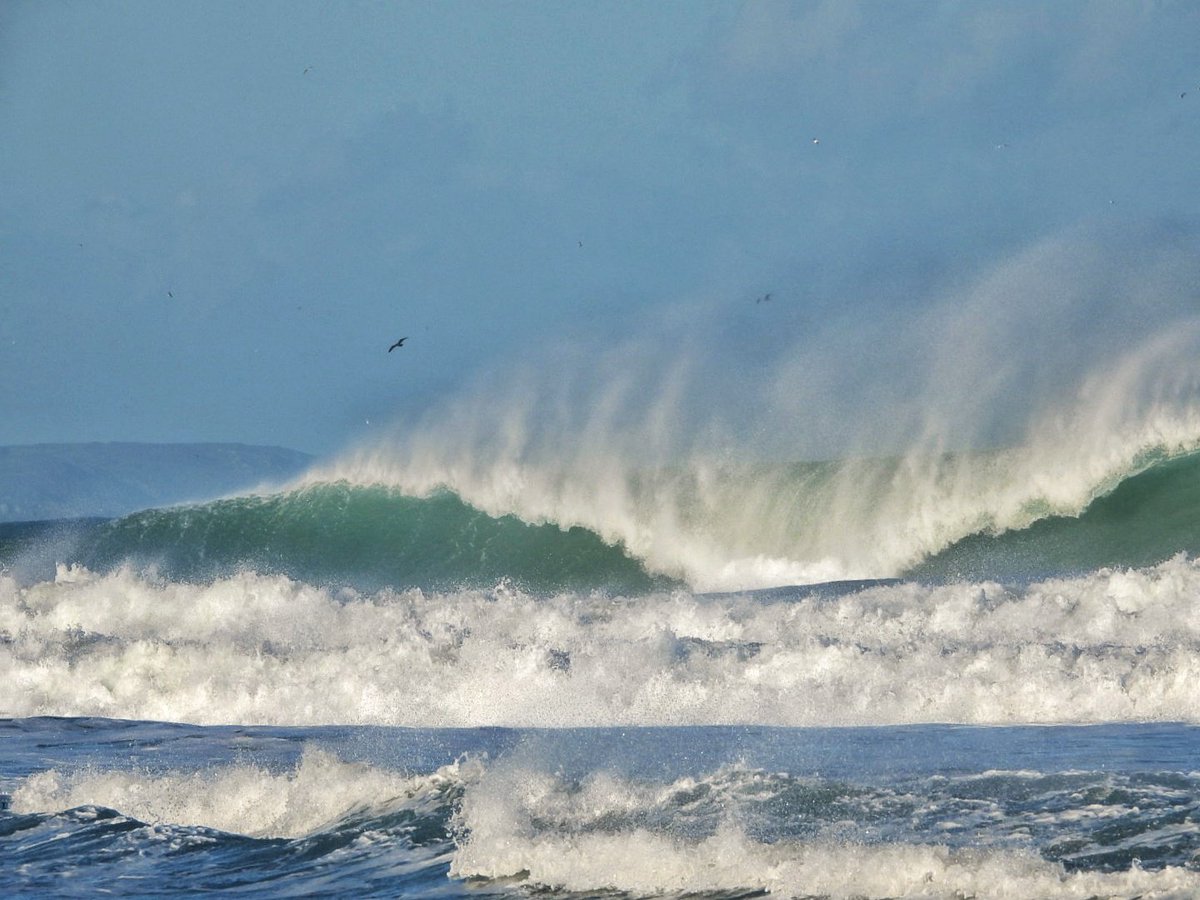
pixel 1111 646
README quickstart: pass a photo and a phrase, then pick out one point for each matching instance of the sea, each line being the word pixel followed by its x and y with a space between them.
pixel 946 674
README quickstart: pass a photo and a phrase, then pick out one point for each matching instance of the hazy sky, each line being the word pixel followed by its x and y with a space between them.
pixel 216 217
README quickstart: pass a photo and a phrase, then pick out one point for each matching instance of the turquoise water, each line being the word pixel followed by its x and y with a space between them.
pixel 372 537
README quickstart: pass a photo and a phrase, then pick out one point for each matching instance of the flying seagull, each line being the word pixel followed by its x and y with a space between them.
pixel 399 343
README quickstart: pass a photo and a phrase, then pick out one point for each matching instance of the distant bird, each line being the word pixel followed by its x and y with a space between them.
pixel 307 69
pixel 399 343
pixel 169 294
pixel 580 243
pixel 763 298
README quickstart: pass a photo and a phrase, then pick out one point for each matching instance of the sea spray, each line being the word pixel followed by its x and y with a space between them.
pixel 1028 391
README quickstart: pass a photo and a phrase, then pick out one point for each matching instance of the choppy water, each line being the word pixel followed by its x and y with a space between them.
pixel 147 809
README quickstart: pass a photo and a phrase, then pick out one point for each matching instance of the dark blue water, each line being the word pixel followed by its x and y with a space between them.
pixel 148 809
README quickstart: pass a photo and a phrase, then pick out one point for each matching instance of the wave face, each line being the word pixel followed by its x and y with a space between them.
pixel 1023 512
pixel 374 537
pixel 1079 356
pixel 363 537
pixel 320 826
pixel 1144 519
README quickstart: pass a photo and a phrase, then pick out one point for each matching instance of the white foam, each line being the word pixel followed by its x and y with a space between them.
pixel 517 823
pixel 1111 646
pixel 242 799
pixel 645 863
pixel 607 833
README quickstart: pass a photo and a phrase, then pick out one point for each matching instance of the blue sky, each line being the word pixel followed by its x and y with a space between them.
pixel 216 217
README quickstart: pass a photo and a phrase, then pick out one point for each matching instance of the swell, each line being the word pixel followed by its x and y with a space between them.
pixel 1004 514
pixel 367 538
pixel 1145 519
pixel 324 827
pixel 371 537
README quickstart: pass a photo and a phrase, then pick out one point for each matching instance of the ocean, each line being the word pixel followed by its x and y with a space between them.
pixel 928 675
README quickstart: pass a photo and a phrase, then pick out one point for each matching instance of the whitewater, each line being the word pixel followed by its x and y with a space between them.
pixel 807 622
pixel 1109 646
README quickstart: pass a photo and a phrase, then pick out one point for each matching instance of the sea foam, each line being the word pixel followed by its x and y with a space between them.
pixel 1112 646
pixel 730 830
pixel 611 834
pixel 251 800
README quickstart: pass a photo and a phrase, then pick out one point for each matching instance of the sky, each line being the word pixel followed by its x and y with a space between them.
pixel 216 217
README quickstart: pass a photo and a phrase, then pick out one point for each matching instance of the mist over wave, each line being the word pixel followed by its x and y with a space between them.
pixel 1079 358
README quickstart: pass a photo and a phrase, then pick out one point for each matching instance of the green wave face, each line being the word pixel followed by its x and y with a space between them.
pixel 368 538
pixel 375 537
pixel 1147 518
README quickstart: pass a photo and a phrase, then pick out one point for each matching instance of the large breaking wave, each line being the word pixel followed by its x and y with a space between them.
pixel 371 537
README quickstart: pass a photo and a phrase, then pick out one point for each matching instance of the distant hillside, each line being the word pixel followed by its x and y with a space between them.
pixel 58 481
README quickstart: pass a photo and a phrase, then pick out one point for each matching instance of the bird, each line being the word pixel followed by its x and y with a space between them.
pixel 307 69
pixel 399 343
pixel 766 297
pixel 169 294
